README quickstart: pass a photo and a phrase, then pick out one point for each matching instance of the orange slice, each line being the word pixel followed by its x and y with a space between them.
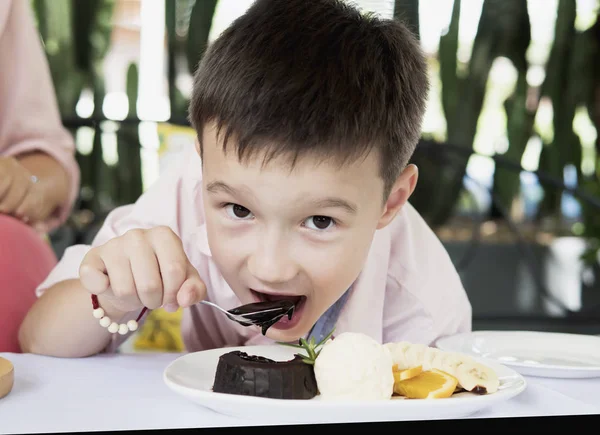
pixel 433 384
pixel 404 374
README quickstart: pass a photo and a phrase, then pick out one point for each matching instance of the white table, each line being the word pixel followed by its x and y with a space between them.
pixel 126 392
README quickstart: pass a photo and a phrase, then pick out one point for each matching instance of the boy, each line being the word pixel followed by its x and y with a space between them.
pixel 306 113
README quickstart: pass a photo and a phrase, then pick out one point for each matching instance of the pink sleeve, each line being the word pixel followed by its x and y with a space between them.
pixel 174 200
pixel 29 115
pixel 424 299
pixel 408 318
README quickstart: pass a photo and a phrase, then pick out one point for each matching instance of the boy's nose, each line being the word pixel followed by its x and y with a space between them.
pixel 271 266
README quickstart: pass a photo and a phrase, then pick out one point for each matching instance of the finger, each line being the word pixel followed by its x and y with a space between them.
pixel 122 284
pixel 173 278
pixel 172 262
pixel 145 270
pixel 5 182
pixel 93 273
pixel 41 227
pixel 193 289
pixel 14 197
pixel 26 211
pixel 118 271
pixel 6 176
pixel 32 208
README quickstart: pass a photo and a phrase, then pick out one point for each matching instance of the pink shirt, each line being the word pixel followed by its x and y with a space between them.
pixel 408 289
pixel 29 116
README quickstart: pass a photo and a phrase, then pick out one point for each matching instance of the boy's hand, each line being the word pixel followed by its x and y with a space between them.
pixel 142 268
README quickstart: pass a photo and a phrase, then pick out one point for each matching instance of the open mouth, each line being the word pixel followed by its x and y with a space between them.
pixel 284 322
pixel 262 297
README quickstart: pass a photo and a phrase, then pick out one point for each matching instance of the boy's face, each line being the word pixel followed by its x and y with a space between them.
pixel 304 233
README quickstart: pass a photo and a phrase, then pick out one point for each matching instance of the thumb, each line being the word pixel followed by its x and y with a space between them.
pixel 193 289
pixel 92 273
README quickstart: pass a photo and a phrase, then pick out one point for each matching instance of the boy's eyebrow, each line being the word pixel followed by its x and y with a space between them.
pixel 216 186
pixel 335 202
pixel 329 202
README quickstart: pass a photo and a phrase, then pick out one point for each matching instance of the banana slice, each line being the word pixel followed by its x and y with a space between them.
pixel 477 378
pixel 430 355
pixel 452 360
pixel 414 354
pixel 472 376
pixel 438 360
pixel 398 352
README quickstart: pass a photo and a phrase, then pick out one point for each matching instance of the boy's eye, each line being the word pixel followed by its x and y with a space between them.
pixel 237 211
pixel 319 222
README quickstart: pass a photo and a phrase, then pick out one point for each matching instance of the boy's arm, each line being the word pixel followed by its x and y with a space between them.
pixel 61 324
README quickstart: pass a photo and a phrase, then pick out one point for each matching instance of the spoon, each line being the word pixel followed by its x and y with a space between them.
pixel 264 314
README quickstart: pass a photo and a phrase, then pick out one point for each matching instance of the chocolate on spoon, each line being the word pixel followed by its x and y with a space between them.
pixel 264 314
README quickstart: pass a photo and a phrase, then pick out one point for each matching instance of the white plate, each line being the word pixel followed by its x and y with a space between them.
pixel 544 354
pixel 192 376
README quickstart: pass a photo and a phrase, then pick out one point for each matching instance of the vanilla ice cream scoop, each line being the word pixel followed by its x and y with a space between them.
pixel 356 367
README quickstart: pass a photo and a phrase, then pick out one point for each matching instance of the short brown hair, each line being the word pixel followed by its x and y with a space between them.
pixel 314 77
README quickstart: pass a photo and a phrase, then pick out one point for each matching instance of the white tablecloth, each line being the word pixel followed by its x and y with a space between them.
pixel 126 392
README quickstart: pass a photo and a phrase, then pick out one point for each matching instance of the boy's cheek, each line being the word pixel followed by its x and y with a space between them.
pixel 332 282
pixel 332 278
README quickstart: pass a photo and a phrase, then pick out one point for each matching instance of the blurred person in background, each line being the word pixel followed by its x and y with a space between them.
pixel 39 176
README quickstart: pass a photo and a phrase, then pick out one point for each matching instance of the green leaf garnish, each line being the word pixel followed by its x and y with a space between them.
pixel 309 346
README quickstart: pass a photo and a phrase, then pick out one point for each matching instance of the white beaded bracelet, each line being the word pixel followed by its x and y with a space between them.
pixel 114 327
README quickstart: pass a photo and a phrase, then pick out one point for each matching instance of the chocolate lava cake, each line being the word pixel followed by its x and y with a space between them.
pixel 251 375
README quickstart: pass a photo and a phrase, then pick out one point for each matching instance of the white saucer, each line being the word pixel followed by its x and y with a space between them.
pixel 544 354
pixel 192 376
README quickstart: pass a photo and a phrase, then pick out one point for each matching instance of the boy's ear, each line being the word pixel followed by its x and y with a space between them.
pixel 399 194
